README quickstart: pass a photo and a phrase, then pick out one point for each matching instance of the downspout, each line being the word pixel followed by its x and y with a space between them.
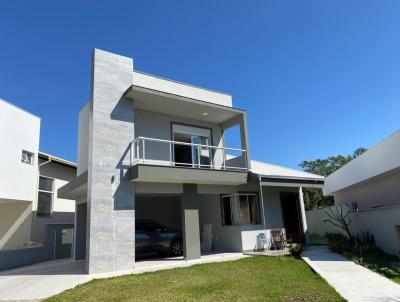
pixel 37 196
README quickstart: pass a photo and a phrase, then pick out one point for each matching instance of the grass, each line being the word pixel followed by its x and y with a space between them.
pixel 249 279
pixel 377 261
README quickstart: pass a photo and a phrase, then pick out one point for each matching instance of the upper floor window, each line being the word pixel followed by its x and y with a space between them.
pixel 240 209
pixel 45 196
pixel 27 157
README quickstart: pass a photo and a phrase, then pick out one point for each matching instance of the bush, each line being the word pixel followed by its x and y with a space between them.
pixel 295 249
pixel 338 243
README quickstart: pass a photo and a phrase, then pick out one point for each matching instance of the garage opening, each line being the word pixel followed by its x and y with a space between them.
pixel 158 226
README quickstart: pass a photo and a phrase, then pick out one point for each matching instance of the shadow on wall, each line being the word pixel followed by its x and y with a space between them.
pixel 15 227
pixel 122 112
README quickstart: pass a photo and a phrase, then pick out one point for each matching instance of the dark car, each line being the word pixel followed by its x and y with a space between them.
pixel 154 238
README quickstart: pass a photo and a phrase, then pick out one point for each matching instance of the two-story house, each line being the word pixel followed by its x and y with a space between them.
pixel 153 148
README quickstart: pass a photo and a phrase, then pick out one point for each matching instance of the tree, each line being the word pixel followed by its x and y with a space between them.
pixel 340 219
pixel 313 198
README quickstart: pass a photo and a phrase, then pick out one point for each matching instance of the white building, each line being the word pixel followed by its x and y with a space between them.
pixel 370 186
pixel 32 216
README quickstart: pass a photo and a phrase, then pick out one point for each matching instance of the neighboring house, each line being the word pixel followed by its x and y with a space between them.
pixel 369 186
pixel 153 148
pixel 35 224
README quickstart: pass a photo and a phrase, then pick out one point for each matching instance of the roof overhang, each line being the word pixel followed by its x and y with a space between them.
pixel 75 189
pixel 167 174
pixel 176 105
pixel 282 181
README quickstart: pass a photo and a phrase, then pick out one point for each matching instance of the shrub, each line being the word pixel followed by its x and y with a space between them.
pixel 295 249
pixel 337 242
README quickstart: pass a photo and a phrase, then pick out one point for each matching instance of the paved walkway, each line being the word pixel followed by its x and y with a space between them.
pixel 43 280
pixel 352 281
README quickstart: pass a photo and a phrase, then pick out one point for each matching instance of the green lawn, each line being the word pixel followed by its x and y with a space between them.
pixel 249 279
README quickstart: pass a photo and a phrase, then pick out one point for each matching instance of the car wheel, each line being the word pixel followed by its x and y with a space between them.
pixel 177 248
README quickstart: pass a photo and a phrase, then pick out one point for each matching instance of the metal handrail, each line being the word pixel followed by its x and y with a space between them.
pixel 135 148
pixel 183 143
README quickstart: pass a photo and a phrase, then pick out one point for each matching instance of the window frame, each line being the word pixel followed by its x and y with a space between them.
pixel 236 195
pixel 48 192
pixel 30 154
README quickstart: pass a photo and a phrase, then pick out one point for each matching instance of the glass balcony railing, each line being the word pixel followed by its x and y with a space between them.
pixel 152 151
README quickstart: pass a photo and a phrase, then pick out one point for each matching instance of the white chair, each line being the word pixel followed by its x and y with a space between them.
pixel 263 242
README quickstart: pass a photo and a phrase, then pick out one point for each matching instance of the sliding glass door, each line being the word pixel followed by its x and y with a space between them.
pixel 191 147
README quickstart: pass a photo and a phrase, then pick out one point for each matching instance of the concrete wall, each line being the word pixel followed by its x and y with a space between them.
pixel 316 224
pixel 380 159
pixel 382 191
pixel 19 130
pixel 381 222
pixel 63 210
pixel 181 89
pixel 83 139
pixel 15 226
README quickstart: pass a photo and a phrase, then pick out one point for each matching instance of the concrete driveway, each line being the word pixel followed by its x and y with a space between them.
pixel 352 281
pixel 43 280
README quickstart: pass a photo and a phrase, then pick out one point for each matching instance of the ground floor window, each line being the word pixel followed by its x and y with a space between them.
pixel 240 209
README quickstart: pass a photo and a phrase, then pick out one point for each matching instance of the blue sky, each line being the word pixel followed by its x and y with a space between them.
pixel 317 78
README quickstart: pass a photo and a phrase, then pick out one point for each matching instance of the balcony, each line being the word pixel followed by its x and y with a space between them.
pixel 152 159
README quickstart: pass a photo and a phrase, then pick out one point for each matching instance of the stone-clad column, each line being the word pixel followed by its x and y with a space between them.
pixel 111 196
pixel 190 222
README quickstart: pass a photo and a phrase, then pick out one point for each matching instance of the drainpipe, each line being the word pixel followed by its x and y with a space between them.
pixel 37 196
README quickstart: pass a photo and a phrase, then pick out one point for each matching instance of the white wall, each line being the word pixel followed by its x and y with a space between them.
pixel 382 191
pixel 173 87
pixel 15 224
pixel 83 139
pixel 226 238
pixel 381 222
pixel 19 130
pixel 380 159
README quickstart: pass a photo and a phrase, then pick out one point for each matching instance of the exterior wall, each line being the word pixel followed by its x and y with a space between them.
pixel 226 238
pixel 147 127
pixel 110 194
pixel 20 130
pixel 380 159
pixel 181 89
pixel 83 139
pixel 381 222
pixel 316 224
pixel 15 226
pixel 384 191
pixel 63 210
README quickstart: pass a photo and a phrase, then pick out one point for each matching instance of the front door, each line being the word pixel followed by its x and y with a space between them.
pixel 291 216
